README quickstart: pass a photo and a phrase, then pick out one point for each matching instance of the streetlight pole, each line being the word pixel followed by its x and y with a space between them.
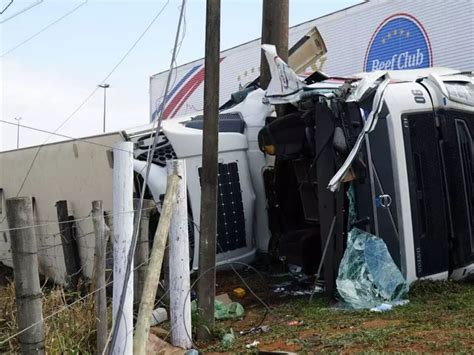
pixel 104 86
pixel 17 119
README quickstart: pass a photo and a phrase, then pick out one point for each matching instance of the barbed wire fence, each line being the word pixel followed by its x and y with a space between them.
pixel 53 264
pixel 84 298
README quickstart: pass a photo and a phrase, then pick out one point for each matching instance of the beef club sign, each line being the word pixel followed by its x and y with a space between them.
pixel 400 42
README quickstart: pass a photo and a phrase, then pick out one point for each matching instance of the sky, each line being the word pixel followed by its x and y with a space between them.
pixel 44 80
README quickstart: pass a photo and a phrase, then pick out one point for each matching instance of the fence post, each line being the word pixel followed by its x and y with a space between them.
pixel 99 275
pixel 25 269
pixel 154 268
pixel 123 234
pixel 180 304
pixel 142 251
pixel 109 252
pixel 70 249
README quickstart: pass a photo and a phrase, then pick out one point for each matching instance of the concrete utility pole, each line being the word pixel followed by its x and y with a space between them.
pixel 210 137
pixel 17 119
pixel 104 86
pixel 274 31
pixel 122 182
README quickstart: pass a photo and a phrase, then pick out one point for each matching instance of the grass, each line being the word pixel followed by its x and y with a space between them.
pixel 71 331
pixel 439 318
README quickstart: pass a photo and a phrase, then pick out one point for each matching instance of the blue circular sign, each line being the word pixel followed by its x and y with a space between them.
pixel 400 42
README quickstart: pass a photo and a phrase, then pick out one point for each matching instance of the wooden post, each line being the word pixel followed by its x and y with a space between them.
pixel 25 269
pixel 136 207
pixel 109 252
pixel 142 251
pixel 180 283
pixel 274 31
pixel 99 276
pixel 70 248
pixel 123 233
pixel 153 270
pixel 210 139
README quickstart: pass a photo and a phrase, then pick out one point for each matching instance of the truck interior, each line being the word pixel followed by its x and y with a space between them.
pixel 314 138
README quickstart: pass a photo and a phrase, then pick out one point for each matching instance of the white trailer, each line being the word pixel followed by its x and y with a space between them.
pixel 376 34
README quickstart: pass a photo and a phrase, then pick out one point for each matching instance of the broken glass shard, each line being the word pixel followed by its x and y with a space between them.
pixel 368 276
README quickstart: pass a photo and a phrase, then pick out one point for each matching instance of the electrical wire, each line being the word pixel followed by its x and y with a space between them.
pixel 268 309
pixel 19 12
pixel 43 29
pixel 6 7
pixel 122 59
pixel 75 139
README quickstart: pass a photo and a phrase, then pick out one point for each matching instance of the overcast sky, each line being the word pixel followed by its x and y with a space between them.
pixel 44 80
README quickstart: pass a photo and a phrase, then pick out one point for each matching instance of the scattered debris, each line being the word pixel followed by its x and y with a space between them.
pixel 228 311
pixel 253 344
pixel 223 311
pixel 224 298
pixel 158 316
pixel 239 292
pixel 368 275
pixel 256 330
pixel 384 307
pixel 228 339
pixel 298 286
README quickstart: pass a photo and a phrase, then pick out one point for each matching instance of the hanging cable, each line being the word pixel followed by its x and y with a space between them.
pixel 82 104
pixel 19 12
pixel 43 29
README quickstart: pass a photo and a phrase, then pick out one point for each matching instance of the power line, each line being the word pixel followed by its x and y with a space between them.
pixel 76 139
pixel 122 59
pixel 6 7
pixel 19 12
pixel 43 29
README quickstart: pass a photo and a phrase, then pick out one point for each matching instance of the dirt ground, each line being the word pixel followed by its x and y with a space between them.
pixel 439 318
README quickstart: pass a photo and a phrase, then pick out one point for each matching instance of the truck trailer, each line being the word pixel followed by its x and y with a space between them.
pixel 372 35
pixel 388 152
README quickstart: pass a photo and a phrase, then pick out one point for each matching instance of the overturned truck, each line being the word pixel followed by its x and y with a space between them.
pixel 391 153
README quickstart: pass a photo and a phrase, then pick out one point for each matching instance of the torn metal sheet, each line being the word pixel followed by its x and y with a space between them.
pixel 285 86
pixel 156 180
pixel 364 87
pixel 369 126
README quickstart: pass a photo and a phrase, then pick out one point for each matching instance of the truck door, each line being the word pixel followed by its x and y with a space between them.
pixel 427 195
pixel 457 129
